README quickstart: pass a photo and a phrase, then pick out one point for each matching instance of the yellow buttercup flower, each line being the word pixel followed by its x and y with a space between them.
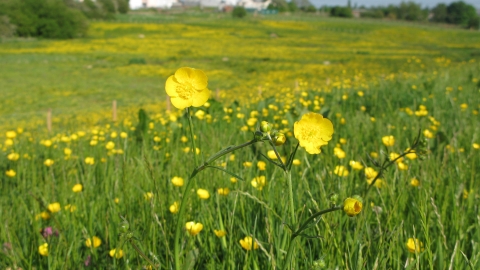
pixel 203 194
pixel 223 191
pixel 54 207
pixel 43 249
pixel 116 253
pixel 248 243
pixel 352 206
pixel 356 165
pixel 49 162
pixel 414 182
pixel 388 140
pixel 259 182
pixel 220 233
pixel 414 245
pixel 261 165
pixel 370 173
pixel 43 215
pixel 296 162
pixel 339 153
pixel 378 183
pixel 193 228
pixel 10 173
pixel 96 242
pixel 341 171
pixel 402 166
pixel 13 156
pixel 148 195
pixel 188 87
pixel 313 131
pixel 110 145
pixel 177 181
pixel 89 160
pixel 174 208
pixel 77 188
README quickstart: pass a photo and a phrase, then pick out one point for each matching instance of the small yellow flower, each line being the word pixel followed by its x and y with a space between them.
pixel 412 155
pixel 43 215
pixel 177 181
pixel 247 164
pixel 428 134
pixel 89 160
pixel 271 154
pixel 233 180
pixel 402 166
pixel 188 87
pixel 259 182
pixel 370 173
pixel 54 207
pixel 296 162
pixel 123 135
pixel 174 208
pixel 261 165
pixel 248 243
pixel 414 245
pixel 96 242
pixel 43 249
pixel 117 254
pixel 13 156
pixel 220 233
pixel 77 188
pixel 49 162
pixel 337 151
pixel 71 208
pixel 116 200
pixel 414 182
pixel 203 194
pixel 374 154
pixel 476 146
pixel 110 145
pixel 352 206
pixel 223 191
pixel 394 155
pixel 148 195
pixel 378 183
pixel 313 131
pixel 11 134
pixel 67 151
pixel 10 173
pixel 193 228
pixel 388 140
pixel 356 165
pixel 341 171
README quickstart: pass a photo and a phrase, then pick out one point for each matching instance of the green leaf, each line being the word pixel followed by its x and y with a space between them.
pixel 190 260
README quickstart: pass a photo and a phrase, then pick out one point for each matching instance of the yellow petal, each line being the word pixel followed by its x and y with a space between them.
pixel 199 80
pixel 171 86
pixel 181 103
pixel 184 74
pixel 200 98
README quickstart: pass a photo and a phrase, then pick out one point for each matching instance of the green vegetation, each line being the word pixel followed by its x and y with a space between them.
pixel 92 185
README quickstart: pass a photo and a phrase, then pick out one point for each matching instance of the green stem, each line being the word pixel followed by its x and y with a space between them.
pixel 290 194
pixel 192 136
pixel 289 253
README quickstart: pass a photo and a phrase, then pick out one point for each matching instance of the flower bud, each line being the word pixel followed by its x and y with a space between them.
pixel 333 199
pixel 352 206
pixel 265 126
pixel 124 226
pixel 279 139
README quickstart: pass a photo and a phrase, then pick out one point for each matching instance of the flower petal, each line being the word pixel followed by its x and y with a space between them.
pixel 181 103
pixel 199 79
pixel 200 98
pixel 184 74
pixel 171 86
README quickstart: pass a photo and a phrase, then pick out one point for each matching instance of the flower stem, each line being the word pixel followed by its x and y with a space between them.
pixel 192 137
pixel 290 195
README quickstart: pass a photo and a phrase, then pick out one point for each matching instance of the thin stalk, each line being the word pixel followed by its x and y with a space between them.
pixel 290 194
pixel 192 136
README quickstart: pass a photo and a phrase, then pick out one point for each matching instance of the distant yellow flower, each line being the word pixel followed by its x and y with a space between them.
pixel 476 146
pixel 341 171
pixel 43 215
pixel 148 195
pixel 428 134
pixel 313 131
pixel 77 188
pixel 47 143
pixel 414 182
pixel 123 135
pixel 193 228
pixel 412 155
pixel 54 207
pixel 402 166
pixel 43 249
pixel 394 155
pixel 223 191
pixel 356 165
pixel 233 180
pixel 188 87
pixel 96 242
pixel 378 183
pixel 13 156
pixel 339 153
pixel 174 208
pixel 8 142
pixel 464 106
pixel 374 154
pixel 352 206
pixel 89 160
pixel 388 140
pixel 247 164
pixel 10 173
pixel 11 134
pixel 71 208
pixel 414 245
pixel 117 254
pixel 67 151
pixel 220 233
pixel 49 162
pixel 203 194
pixel 110 145
pixel 248 243
pixel 261 165
pixel 116 200
pixel 177 181
pixel 271 154
pixel 296 162
pixel 370 173
pixel 259 182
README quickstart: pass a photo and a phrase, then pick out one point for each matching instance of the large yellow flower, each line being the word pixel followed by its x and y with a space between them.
pixel 352 206
pixel 313 131
pixel 188 87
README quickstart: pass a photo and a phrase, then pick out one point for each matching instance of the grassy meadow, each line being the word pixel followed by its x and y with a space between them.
pixel 70 187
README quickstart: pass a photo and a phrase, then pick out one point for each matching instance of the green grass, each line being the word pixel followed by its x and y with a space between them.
pixel 436 212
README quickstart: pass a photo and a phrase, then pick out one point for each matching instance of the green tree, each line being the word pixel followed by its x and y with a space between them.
pixel 410 11
pixel 460 13
pixel 440 13
pixel 344 12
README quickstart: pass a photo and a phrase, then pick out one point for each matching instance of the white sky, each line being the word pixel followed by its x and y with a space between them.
pixel 368 3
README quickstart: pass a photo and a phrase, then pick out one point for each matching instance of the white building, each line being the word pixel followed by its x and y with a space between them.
pixel 136 4
pixel 255 4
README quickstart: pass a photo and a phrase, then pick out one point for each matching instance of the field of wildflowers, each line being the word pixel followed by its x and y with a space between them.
pixel 293 143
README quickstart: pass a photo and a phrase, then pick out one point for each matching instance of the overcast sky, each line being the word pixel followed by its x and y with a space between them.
pixel 367 3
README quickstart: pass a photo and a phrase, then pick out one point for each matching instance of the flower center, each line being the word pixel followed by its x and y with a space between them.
pixel 185 90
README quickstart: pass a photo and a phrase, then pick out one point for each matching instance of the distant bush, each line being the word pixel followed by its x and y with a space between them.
pixel 310 8
pixel 344 12
pixel 7 29
pixel 474 23
pixel 373 13
pixel 239 12
pixel 411 11
pixel 44 18
pixel 460 13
